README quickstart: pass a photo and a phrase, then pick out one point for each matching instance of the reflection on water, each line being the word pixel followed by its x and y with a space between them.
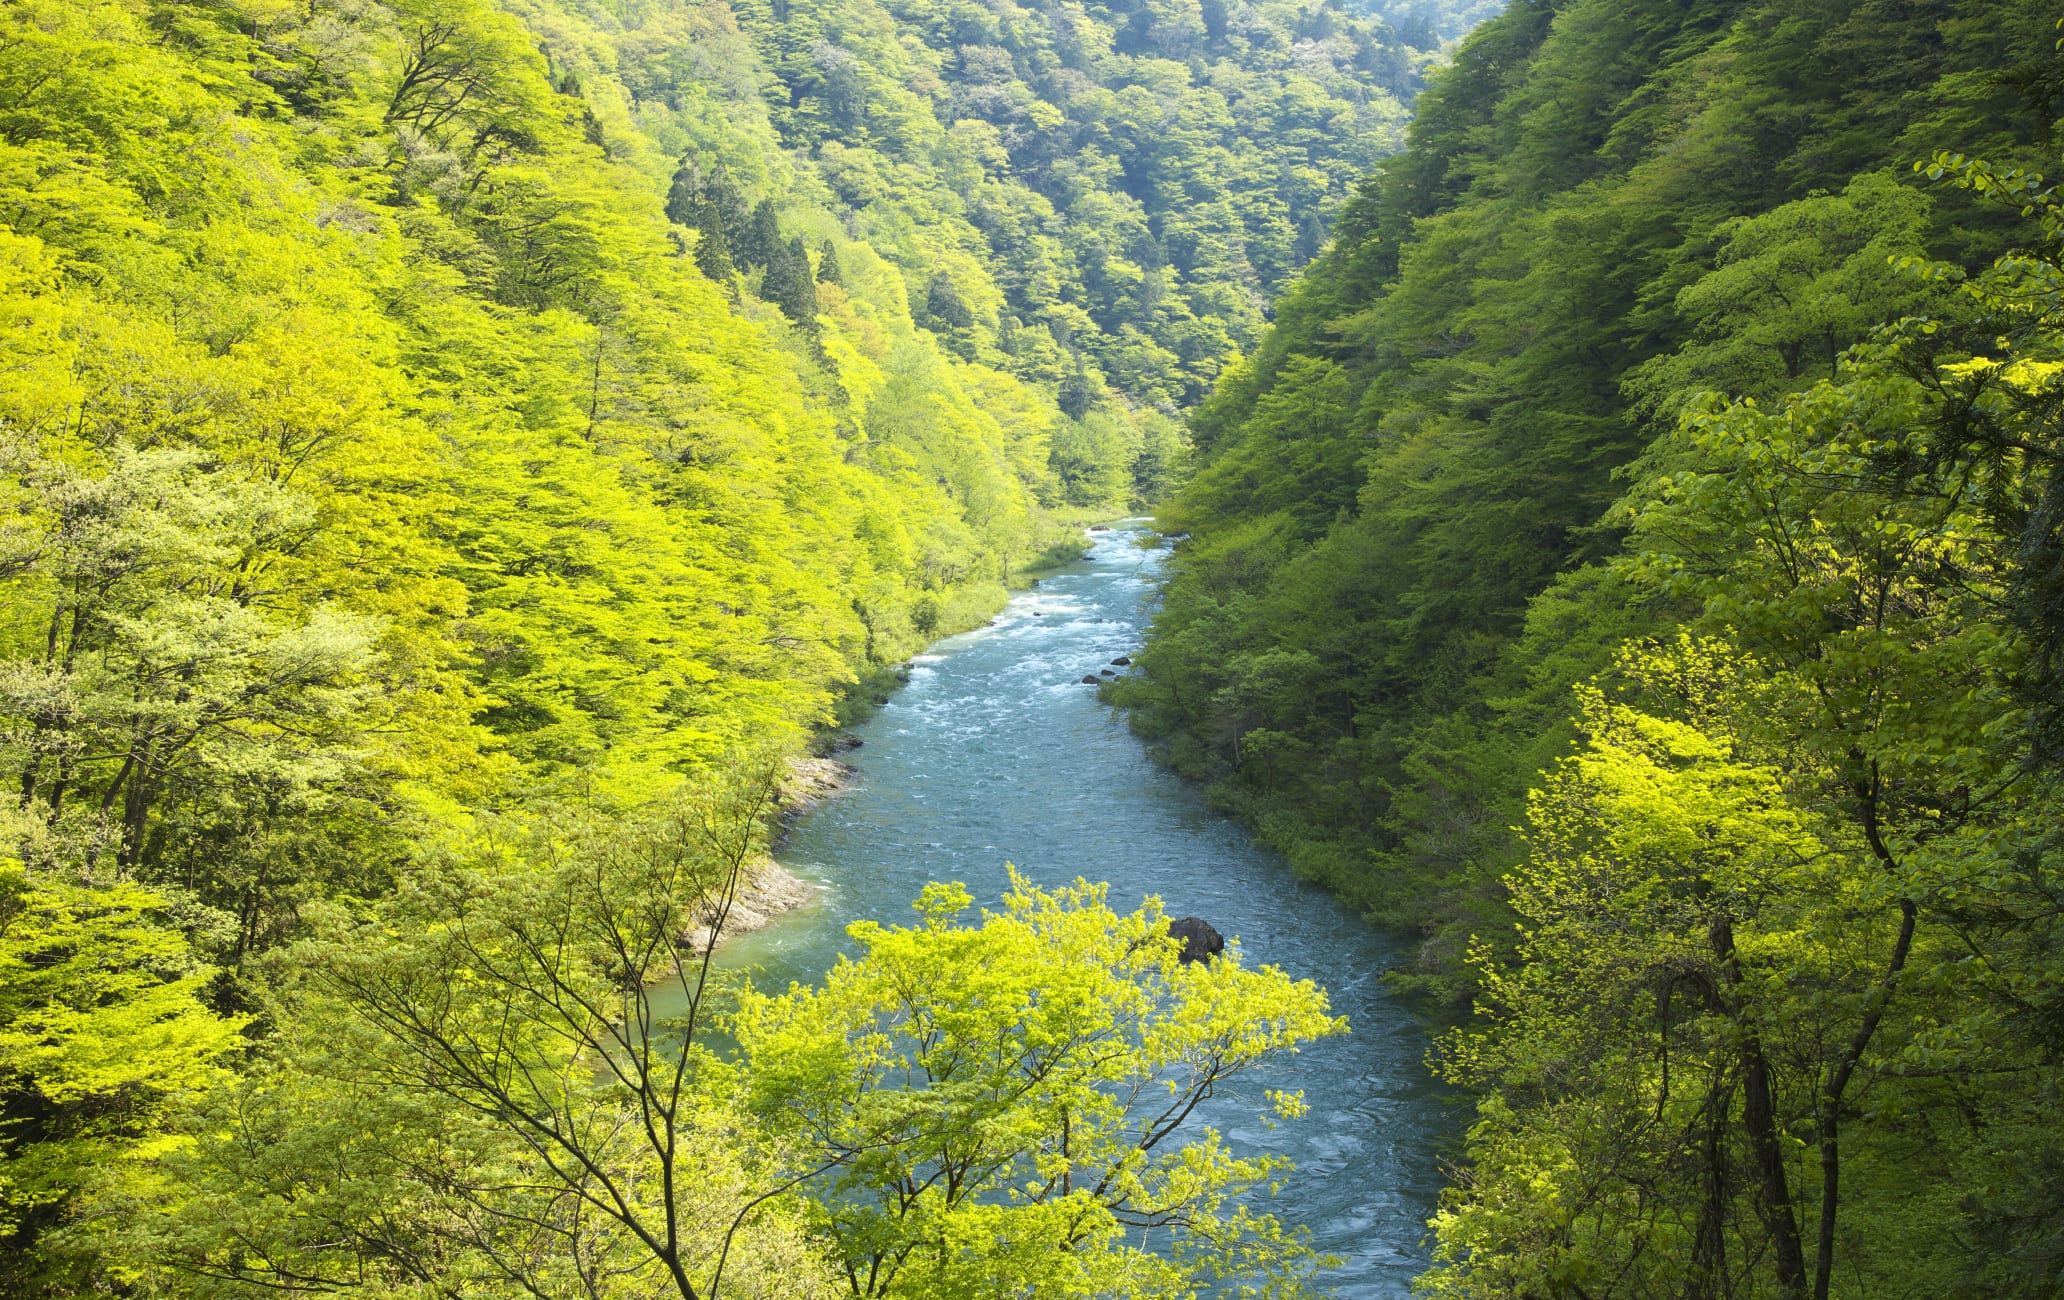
pixel 996 752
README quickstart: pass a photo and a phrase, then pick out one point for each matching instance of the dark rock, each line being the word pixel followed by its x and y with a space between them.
pixel 1087 680
pixel 1108 673
pixel 1199 941
pixel 1122 661
pixel 842 741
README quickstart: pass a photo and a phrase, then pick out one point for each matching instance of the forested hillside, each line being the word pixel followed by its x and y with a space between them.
pixel 1631 557
pixel 1086 197
pixel 452 451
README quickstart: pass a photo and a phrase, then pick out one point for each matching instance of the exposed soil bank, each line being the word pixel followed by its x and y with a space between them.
pixel 769 889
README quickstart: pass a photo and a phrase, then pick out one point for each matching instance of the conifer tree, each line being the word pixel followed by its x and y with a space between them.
pixel 759 242
pixel 788 284
pixel 1078 392
pixel 691 203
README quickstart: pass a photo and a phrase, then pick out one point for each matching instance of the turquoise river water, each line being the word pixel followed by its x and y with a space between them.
pixel 995 752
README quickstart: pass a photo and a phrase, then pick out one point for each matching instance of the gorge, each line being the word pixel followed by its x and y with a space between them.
pixel 994 753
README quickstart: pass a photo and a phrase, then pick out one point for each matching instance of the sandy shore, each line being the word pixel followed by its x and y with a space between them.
pixel 770 888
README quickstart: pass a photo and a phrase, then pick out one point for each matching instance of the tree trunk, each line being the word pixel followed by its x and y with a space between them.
pixel 1709 1244
pixel 1759 1117
pixel 1838 1083
pixel 1773 1193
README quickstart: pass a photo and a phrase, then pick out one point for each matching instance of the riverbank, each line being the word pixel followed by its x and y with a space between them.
pixel 993 752
pixel 770 889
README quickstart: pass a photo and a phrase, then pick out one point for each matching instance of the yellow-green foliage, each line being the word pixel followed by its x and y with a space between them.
pixel 417 413
pixel 413 411
pixel 372 453
pixel 100 1003
pixel 481 1085
pixel 441 312
pixel 987 1109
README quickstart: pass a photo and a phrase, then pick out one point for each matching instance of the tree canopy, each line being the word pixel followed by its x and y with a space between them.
pixel 442 442
pixel 1630 559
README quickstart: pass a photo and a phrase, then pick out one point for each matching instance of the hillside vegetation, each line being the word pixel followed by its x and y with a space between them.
pixel 452 451
pixel 1631 558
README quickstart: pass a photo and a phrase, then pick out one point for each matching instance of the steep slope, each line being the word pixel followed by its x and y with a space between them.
pixel 422 417
pixel 1633 558
pixel 1382 596
pixel 1078 195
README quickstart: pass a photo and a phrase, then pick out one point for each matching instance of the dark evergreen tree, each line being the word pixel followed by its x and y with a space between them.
pixel 713 249
pixel 684 195
pixel 788 284
pixel 727 203
pixel 695 203
pixel 759 240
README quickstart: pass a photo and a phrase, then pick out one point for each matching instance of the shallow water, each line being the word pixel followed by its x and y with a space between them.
pixel 996 752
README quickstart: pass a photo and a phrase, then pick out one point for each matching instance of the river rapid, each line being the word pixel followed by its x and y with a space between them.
pixel 996 752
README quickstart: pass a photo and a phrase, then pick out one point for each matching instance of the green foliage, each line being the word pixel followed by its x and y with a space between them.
pixel 1782 991
pixel 1391 539
pixel 420 417
pixel 988 1109
pixel 1783 912
pixel 1127 183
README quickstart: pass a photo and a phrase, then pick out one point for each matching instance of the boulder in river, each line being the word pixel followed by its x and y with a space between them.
pixel 1108 673
pixel 1122 661
pixel 1199 941
pixel 1087 680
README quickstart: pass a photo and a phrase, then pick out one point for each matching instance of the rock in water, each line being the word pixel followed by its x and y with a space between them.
pixel 1199 941
pixel 1123 661
pixel 1087 680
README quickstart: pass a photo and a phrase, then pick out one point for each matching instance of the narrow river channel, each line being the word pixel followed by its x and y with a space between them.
pixel 996 752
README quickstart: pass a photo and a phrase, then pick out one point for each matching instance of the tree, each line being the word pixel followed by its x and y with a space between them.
pixel 759 243
pixel 1663 943
pixel 691 203
pixel 1790 291
pixel 512 1049
pixel 104 1033
pixel 169 693
pixel 788 285
pixel 995 1108
pixel 1802 859
pixel 1998 412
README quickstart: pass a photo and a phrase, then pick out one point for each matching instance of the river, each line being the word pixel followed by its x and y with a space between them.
pixel 996 752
